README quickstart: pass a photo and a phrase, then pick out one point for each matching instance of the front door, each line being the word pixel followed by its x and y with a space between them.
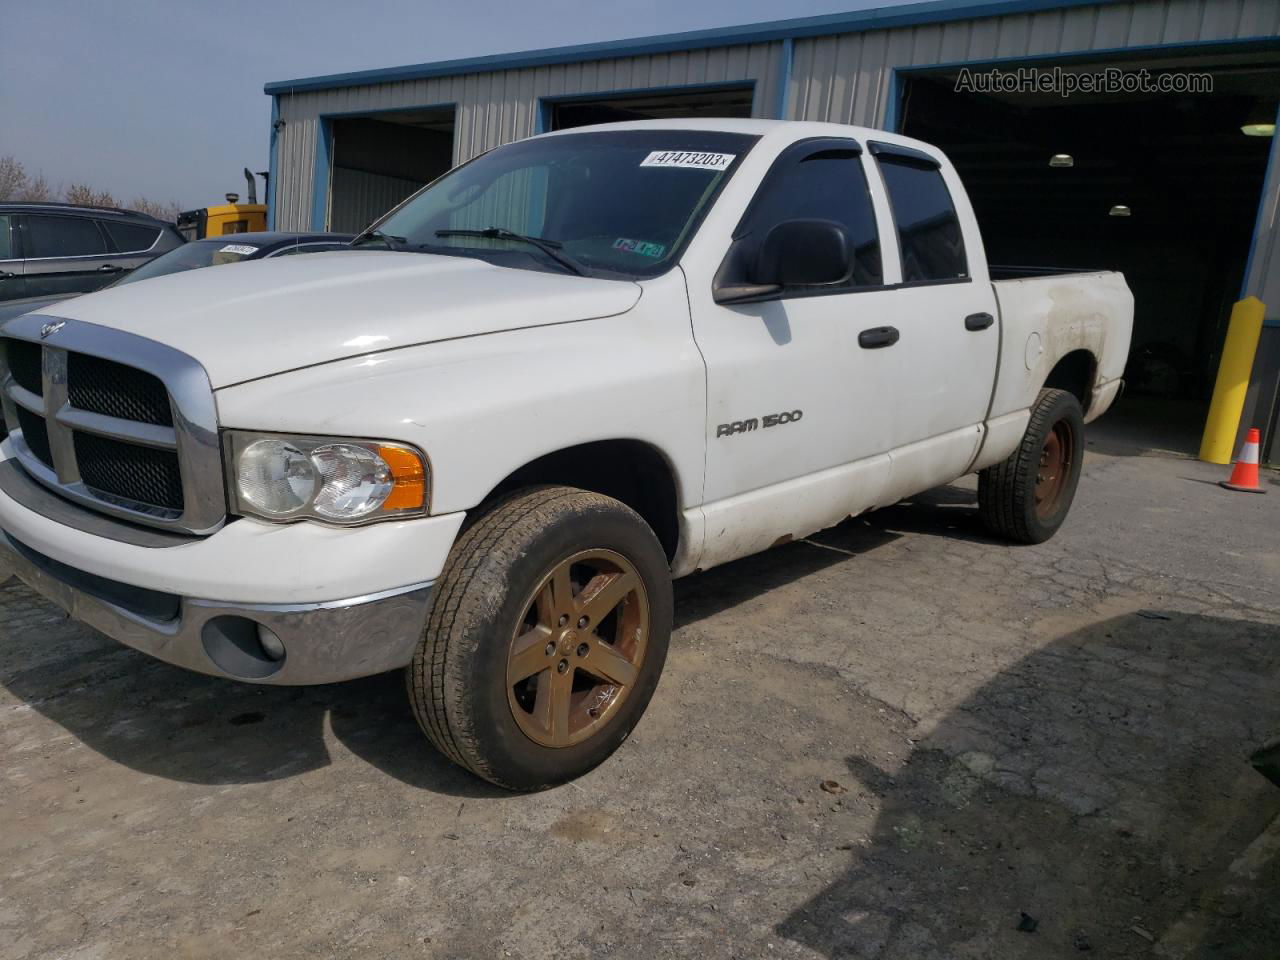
pixel 798 427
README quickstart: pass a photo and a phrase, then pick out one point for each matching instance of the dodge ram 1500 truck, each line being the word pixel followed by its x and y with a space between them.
pixel 480 446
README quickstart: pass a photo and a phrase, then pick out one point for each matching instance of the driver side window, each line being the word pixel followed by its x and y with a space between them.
pixel 821 180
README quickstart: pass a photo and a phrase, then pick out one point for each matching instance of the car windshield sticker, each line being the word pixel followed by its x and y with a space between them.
pixel 688 160
pixel 241 248
pixel 654 250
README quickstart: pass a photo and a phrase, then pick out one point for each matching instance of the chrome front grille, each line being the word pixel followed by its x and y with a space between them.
pixel 114 421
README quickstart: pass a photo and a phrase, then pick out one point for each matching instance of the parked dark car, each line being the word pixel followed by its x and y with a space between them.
pixel 193 256
pixel 203 253
pixel 59 249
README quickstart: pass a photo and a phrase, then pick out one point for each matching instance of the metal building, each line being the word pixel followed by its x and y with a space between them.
pixel 1168 187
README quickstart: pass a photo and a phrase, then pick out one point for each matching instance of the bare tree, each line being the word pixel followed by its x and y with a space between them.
pixel 37 190
pixel 17 184
pixel 160 210
pixel 13 178
pixel 84 194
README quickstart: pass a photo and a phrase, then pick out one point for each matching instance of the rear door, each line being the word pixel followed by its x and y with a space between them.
pixel 65 254
pixel 943 367
pixel 11 266
pixel 132 244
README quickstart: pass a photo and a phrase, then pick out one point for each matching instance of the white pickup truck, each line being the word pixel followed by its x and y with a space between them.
pixel 481 446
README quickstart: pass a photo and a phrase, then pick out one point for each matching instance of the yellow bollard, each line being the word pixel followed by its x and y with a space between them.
pixel 1233 381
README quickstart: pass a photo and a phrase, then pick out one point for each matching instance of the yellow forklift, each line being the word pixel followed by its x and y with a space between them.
pixel 231 217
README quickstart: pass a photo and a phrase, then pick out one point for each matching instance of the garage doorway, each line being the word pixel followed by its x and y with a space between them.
pixel 1163 187
pixel 732 100
pixel 378 159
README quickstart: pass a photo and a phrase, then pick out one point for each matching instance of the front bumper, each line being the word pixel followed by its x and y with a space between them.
pixel 344 602
pixel 322 642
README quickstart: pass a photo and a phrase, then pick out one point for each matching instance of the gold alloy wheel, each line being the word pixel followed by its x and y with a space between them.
pixel 1054 469
pixel 577 651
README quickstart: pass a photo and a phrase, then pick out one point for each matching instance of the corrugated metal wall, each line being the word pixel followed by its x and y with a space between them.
pixel 497 107
pixel 843 78
pixel 356 192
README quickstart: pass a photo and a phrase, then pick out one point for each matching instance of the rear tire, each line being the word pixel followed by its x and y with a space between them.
pixel 1026 497
pixel 546 637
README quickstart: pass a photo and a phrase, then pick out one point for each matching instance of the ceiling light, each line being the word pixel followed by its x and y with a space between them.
pixel 1259 129
pixel 1120 210
pixel 1062 160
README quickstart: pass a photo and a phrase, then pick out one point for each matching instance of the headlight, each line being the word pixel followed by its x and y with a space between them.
pixel 339 480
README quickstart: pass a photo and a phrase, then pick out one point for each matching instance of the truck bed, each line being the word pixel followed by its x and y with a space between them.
pixel 1046 316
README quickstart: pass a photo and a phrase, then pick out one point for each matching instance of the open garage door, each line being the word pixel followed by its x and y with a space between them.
pixel 378 160
pixel 731 101
pixel 1164 187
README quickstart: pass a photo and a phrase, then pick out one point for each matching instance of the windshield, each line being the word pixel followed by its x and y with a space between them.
pixel 618 203
pixel 192 256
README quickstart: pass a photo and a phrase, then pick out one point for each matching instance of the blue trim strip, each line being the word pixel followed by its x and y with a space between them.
pixel 932 11
pixel 320 176
pixel 893 106
pixel 1268 184
pixel 788 55
pixel 271 165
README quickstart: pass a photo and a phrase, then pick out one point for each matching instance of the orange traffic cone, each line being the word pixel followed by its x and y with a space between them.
pixel 1244 476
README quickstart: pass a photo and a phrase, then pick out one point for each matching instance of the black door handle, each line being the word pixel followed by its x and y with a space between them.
pixel 110 268
pixel 878 337
pixel 978 321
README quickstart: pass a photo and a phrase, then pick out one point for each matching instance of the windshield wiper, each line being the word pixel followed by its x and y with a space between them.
pixel 550 247
pixel 390 239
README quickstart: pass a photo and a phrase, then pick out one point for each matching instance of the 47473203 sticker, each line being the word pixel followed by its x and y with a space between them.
pixel 688 159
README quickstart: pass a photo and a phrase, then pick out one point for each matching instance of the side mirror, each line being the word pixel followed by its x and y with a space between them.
pixel 804 253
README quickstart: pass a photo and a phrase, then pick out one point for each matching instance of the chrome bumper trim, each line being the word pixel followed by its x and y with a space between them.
pixel 325 642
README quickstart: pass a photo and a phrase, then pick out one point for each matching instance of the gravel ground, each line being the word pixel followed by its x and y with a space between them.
pixel 899 739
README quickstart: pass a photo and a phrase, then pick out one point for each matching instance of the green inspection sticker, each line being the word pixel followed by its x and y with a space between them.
pixel 654 250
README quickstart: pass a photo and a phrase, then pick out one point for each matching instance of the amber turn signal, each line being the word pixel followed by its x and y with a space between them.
pixel 410 482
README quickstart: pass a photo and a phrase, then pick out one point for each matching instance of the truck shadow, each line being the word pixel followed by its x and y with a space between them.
pixel 172 723
pixel 1099 786
pixel 947 511
pixel 183 726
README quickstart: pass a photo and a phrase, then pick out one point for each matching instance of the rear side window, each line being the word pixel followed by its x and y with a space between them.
pixel 63 237
pixel 6 240
pixel 825 183
pixel 131 237
pixel 928 228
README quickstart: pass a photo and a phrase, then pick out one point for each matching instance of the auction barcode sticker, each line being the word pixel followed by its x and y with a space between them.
pixel 688 160
pixel 241 248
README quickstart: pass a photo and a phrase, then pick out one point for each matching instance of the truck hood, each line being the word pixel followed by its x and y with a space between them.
pixel 254 319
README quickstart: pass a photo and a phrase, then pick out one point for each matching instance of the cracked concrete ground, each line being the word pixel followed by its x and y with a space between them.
pixel 1058 732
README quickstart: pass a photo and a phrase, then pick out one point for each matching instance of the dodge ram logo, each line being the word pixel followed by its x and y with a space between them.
pixel 49 329
pixel 768 420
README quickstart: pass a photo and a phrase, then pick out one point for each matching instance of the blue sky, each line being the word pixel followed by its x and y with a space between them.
pixel 163 98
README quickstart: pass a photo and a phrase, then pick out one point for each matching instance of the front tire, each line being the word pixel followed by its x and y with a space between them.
pixel 1026 497
pixel 547 634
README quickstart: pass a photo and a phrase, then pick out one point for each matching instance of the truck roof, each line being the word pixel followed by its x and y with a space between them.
pixel 783 129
